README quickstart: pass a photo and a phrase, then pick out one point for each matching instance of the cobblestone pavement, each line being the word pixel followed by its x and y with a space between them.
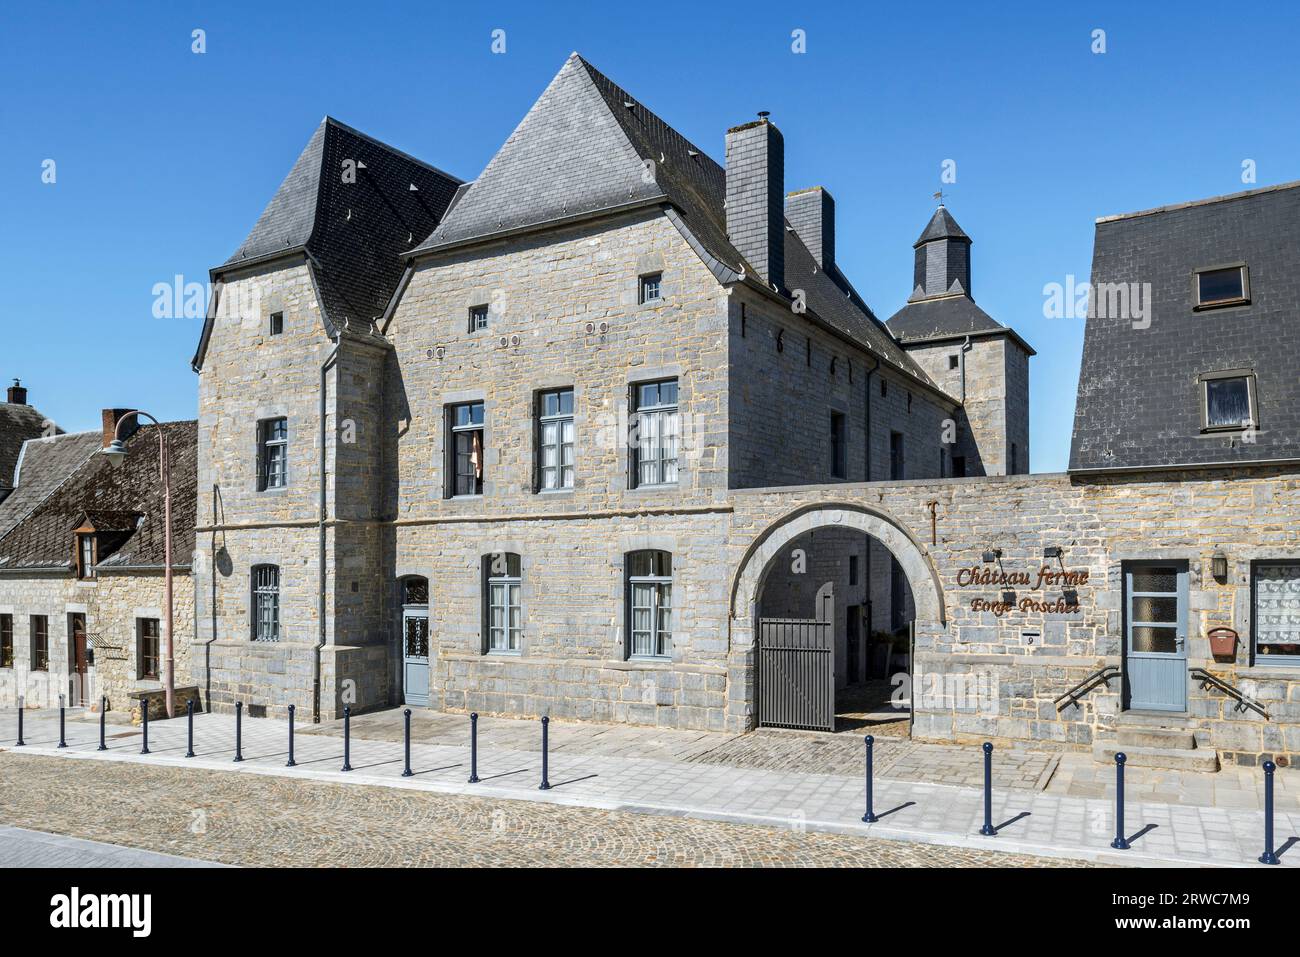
pixel 268 821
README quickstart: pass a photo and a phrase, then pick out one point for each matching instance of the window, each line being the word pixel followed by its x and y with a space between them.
pixel 839 457
pixel 465 452
pixel 555 439
pixel 959 466
pixel 1222 287
pixel 651 286
pixel 943 462
pixel 149 643
pixel 266 603
pixel 273 453
pixel 1275 606
pixel 650 604
pixel 277 323
pixel 895 456
pixel 1015 460
pixel 853 569
pixel 85 556
pixel 654 451
pixel 502 585
pixel 1228 401
pixel 478 318
pixel 953 362
pixel 40 643
pixel 884 388
pixel 6 641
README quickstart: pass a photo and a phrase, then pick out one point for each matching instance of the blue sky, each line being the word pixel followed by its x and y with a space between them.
pixel 165 157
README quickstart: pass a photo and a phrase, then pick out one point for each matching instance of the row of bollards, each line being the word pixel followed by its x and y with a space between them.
pixel 1120 843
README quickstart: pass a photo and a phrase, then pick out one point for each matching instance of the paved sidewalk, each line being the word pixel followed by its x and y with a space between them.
pixel 20 847
pixel 1028 821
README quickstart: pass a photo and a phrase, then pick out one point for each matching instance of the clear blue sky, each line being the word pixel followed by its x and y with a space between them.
pixel 165 158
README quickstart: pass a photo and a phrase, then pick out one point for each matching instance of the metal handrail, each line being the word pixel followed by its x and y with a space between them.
pixel 1098 677
pixel 1243 702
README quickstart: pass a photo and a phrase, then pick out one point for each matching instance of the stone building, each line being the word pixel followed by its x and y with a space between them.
pixel 607 434
pixel 81 564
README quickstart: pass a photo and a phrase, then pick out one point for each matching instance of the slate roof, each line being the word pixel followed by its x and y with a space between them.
pixel 1139 398
pixel 941 226
pixel 353 232
pixel 588 146
pixel 44 465
pixel 43 537
pixel 18 423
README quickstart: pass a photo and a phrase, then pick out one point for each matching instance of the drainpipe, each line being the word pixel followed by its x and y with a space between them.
pixel 870 373
pixel 867 569
pixel 320 597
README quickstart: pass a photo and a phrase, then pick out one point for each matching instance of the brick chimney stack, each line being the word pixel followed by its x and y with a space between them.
pixel 110 419
pixel 17 394
pixel 756 197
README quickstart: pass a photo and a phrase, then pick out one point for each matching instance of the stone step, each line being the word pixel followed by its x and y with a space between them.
pixel 1168 759
pixel 1172 739
pixel 1150 719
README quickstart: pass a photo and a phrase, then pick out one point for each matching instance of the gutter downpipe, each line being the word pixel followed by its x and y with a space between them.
pixel 320 525
pixel 867 571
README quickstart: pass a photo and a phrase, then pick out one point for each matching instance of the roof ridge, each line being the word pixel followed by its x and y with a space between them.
pixel 1207 201
pixel 339 124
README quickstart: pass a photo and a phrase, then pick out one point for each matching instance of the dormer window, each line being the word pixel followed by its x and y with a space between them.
pixel 1222 286
pixel 85 556
pixel 1228 401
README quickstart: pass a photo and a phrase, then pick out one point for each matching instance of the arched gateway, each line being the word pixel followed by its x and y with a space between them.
pixel 803 679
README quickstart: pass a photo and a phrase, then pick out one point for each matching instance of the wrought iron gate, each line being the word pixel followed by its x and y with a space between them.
pixel 796 674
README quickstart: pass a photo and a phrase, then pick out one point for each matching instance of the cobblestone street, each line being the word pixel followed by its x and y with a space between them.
pixel 259 820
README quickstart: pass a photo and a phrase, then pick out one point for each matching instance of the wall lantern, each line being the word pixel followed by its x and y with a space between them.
pixel 1052 551
pixel 1219 565
pixel 991 555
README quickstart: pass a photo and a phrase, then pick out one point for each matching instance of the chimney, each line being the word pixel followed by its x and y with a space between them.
pixel 110 419
pixel 811 213
pixel 17 394
pixel 755 197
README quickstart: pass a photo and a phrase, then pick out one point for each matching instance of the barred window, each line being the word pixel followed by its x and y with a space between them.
pixel 657 424
pixel 149 643
pixel 266 603
pixel 6 641
pixel 273 453
pixel 503 584
pixel 40 643
pixel 650 604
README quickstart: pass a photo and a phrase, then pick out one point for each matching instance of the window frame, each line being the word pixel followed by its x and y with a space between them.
pixel 453 453
pixel 6 640
pixel 661 412
pixel 1252 399
pixel 512 580
pixel 275 324
pixel 839 445
pixel 39 662
pixel 1267 661
pixel 265 445
pixel 1243 300
pixel 479 318
pixel 897 444
pixel 86 564
pixel 558 419
pixel 644 282
pixel 660 585
pixel 256 592
pixel 142 640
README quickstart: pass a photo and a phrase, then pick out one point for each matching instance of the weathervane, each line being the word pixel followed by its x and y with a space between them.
pixel 939 197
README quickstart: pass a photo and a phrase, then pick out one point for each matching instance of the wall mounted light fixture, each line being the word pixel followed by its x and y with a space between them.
pixel 1219 565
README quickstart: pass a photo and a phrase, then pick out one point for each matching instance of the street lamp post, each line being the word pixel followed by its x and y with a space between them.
pixel 116 454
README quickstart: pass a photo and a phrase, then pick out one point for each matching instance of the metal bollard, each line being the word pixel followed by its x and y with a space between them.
pixel 987 830
pixel 144 725
pixel 546 784
pixel 291 762
pixel 870 816
pixel 406 740
pixel 473 748
pixel 1269 856
pixel 189 728
pixel 62 741
pixel 347 737
pixel 1121 842
pixel 239 730
pixel 20 742
pixel 103 711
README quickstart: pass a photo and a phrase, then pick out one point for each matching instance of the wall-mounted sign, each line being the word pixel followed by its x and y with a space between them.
pixel 1045 577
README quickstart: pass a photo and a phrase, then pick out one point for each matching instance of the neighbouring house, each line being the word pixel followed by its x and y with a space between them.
pixel 82 610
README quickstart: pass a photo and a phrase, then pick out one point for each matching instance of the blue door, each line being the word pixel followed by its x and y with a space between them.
pixel 1155 635
pixel 415 656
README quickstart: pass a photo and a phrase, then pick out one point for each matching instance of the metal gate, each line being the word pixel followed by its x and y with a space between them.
pixel 796 674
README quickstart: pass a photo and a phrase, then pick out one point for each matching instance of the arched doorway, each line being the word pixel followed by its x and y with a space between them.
pixel 798 643
pixel 415 640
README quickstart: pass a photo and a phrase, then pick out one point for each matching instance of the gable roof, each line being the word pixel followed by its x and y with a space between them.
pixel 941 318
pixel 44 465
pixel 587 147
pixel 96 491
pixel 352 233
pixel 1140 392
pixel 18 423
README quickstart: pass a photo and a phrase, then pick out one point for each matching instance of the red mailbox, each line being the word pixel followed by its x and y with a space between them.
pixel 1223 642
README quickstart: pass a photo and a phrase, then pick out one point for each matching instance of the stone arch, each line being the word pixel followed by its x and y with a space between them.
pixel 747 584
